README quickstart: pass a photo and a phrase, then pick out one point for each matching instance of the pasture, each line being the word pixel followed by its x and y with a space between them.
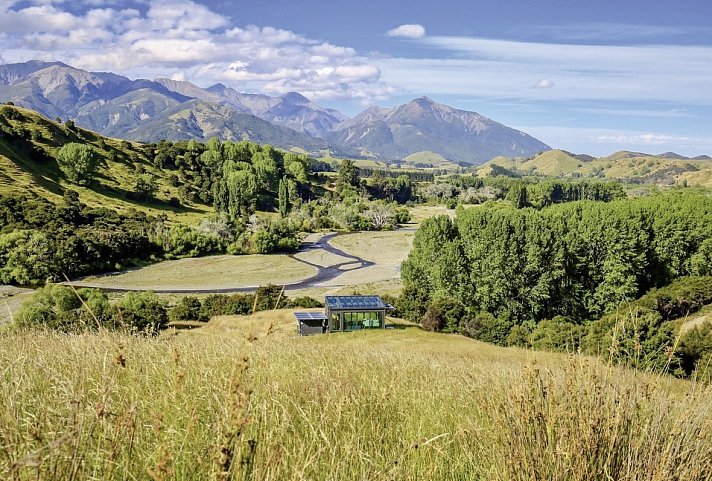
pixel 207 273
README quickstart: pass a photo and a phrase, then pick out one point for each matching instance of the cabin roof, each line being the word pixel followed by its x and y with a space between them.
pixel 345 303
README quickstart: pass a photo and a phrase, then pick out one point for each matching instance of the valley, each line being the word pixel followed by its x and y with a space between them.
pixel 355 241
pixel 542 269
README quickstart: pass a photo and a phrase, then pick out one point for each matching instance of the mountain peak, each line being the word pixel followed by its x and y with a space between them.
pixel 295 98
pixel 424 125
pixel 424 100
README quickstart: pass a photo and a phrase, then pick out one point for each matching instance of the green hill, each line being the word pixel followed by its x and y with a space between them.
pixel 29 143
pixel 624 166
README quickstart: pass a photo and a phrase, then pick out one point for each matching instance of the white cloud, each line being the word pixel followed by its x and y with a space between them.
pixel 407 31
pixel 543 84
pixel 192 39
pixel 508 69
pixel 603 141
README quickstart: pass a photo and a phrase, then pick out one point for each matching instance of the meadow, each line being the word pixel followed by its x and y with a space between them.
pixel 207 273
pixel 245 398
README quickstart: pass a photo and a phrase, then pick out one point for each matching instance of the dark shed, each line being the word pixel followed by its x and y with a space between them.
pixel 310 323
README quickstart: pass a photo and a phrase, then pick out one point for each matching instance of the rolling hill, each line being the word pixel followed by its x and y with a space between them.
pixel 630 167
pixel 29 143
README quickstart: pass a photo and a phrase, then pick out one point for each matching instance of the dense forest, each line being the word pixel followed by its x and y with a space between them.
pixel 510 269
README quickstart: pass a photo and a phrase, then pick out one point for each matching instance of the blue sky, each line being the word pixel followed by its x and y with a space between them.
pixel 593 77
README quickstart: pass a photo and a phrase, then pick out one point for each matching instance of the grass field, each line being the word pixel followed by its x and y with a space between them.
pixel 386 248
pixel 320 257
pixel 246 399
pixel 421 212
pixel 212 272
pixel 356 277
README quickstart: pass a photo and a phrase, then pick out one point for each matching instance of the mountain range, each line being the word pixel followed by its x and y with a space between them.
pixel 151 110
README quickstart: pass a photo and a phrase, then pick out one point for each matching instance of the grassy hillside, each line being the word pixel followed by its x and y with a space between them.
pixel 28 165
pixel 630 167
pixel 431 159
pixel 245 398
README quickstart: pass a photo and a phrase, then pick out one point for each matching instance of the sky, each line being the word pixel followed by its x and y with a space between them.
pixel 589 77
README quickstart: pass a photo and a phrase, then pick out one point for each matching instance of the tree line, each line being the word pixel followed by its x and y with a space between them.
pixel 510 269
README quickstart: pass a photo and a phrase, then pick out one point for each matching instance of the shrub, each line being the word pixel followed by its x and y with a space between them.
pixel 695 352
pixel 187 309
pixel 305 302
pixel 413 303
pixel 222 305
pixel 143 312
pixel 518 336
pixel 432 319
pixel 485 327
pixel 60 308
pixel 557 334
pixel 269 297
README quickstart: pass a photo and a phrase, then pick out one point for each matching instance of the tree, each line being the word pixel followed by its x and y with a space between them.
pixel 348 175
pixel 517 195
pixel 78 162
pixel 241 190
pixel 283 197
pixel 145 186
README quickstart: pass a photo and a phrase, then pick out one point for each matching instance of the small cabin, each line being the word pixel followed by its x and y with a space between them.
pixel 343 314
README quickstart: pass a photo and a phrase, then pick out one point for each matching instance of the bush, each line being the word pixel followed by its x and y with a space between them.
pixel 518 336
pixel 187 309
pixel 222 305
pixel 557 334
pixel 60 308
pixel 184 241
pixel 432 319
pixel 695 352
pixel 305 302
pixel 270 297
pixel 143 312
pixel 485 327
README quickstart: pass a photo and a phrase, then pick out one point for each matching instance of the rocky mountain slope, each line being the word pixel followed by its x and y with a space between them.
pixel 149 110
pixel 425 125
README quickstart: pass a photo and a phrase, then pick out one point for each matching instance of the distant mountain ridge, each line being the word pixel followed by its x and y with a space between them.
pixel 151 110
pixel 421 123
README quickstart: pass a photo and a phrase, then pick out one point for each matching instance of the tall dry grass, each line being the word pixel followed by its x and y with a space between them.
pixel 233 403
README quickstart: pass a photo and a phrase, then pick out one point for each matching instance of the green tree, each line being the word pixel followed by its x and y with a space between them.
pixel 78 162
pixel 283 197
pixel 348 175
pixel 145 186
